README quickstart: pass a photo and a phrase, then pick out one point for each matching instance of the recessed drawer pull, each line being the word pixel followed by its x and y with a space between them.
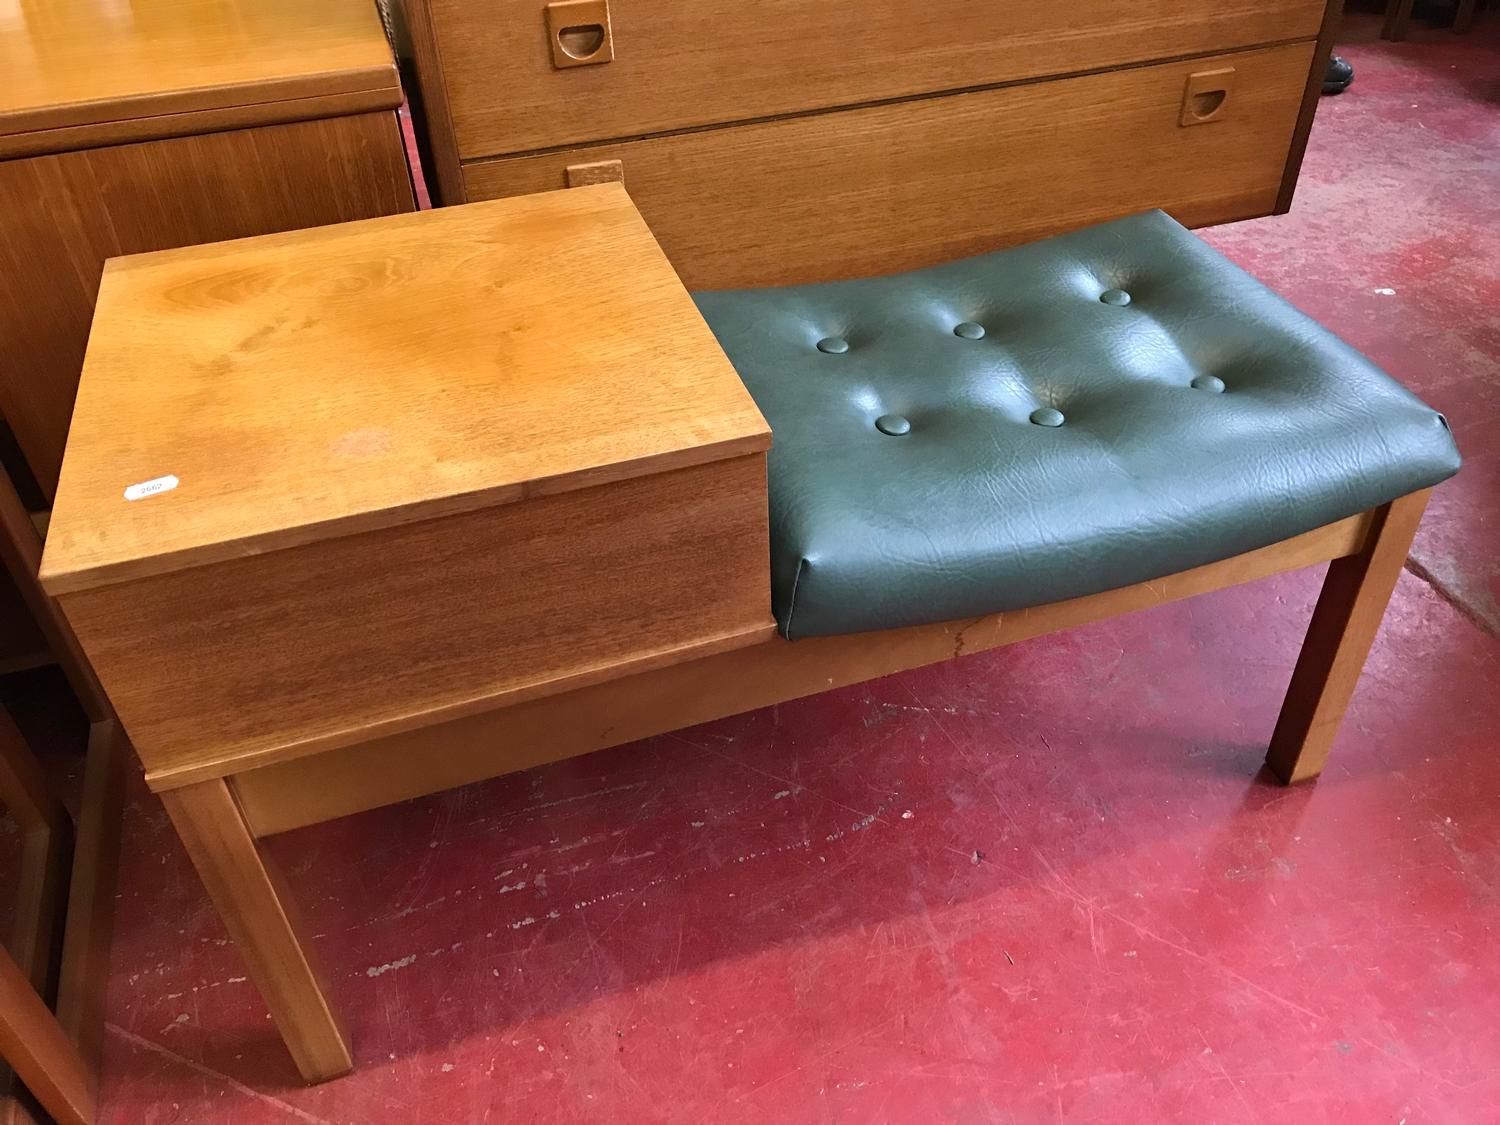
pixel 1205 95
pixel 513 88
pixel 579 32
pixel 817 197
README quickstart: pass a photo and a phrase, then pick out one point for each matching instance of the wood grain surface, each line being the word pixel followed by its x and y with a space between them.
pixel 684 63
pixel 83 977
pixel 250 894
pixel 1344 623
pixel 308 789
pixel 20 556
pixel 336 641
pixel 30 1039
pixel 34 1043
pixel 869 191
pixel 61 216
pixel 330 381
pixel 69 63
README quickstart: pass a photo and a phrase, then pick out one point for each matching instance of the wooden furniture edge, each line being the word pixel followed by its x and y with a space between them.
pixel 43 1056
pixel 563 685
pixel 28 953
pixel 371 81
pixel 84 974
pixel 61 1054
pixel 250 894
pixel 195 122
pixel 448 163
pixel 94 839
pixel 610 141
pixel 1345 620
pixel 47 847
pixel 441 143
pixel 292 792
pixel 1332 17
pixel 60 582
pixel 21 553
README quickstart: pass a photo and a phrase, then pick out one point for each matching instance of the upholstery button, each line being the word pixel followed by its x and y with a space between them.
pixel 892 424
pixel 833 345
pixel 1046 416
pixel 1208 383
pixel 1117 297
pixel 969 330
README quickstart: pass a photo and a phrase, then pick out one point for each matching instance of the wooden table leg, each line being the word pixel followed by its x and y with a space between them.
pixel 46 846
pixel 46 850
pixel 91 891
pixel 23 788
pixel 1344 624
pixel 259 914
pixel 1397 17
pixel 40 1052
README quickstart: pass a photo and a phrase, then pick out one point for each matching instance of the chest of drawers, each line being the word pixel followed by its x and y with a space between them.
pixel 802 140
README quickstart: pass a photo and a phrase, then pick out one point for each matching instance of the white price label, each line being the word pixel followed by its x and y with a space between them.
pixel 151 487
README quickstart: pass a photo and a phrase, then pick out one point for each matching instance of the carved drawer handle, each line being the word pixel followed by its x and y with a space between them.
pixel 1205 96
pixel 579 32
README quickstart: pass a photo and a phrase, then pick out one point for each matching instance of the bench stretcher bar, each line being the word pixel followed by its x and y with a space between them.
pixel 334 783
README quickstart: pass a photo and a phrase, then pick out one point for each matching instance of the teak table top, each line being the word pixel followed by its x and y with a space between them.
pixel 68 63
pixel 341 379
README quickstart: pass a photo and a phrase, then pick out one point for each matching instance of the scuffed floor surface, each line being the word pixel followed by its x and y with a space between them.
pixel 1044 884
pixel 1394 242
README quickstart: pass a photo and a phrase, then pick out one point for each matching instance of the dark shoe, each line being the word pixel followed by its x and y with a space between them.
pixel 1339 74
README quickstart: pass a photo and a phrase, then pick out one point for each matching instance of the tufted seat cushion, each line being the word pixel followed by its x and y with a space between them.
pixel 1091 411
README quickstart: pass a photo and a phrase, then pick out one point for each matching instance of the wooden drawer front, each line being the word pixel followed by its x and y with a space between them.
pixel 342 639
pixel 679 63
pixel 892 187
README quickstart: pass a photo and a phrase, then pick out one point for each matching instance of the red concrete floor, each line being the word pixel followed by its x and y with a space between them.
pixel 1043 884
pixel 1394 241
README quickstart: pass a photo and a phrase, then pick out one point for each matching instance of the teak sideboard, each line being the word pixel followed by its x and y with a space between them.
pixel 803 140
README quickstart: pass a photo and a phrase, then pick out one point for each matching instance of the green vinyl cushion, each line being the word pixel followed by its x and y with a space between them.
pixel 1087 412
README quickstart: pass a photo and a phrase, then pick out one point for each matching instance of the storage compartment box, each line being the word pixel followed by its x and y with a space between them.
pixel 351 480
